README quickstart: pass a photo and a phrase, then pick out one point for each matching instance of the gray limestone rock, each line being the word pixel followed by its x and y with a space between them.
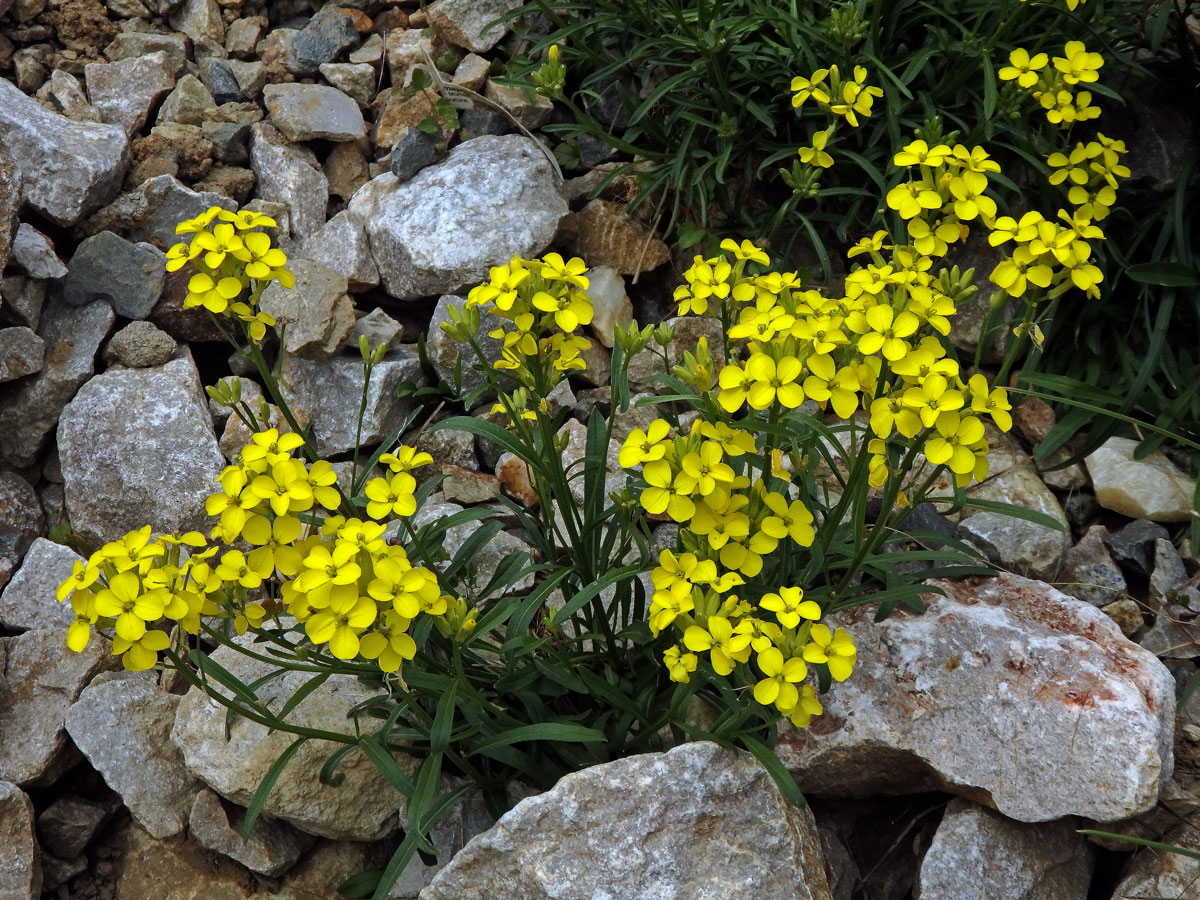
pixel 1155 873
pixel 140 345
pixel 328 392
pixel 443 229
pixel 448 355
pixel 21 521
pixel 107 267
pixel 328 35
pixel 363 807
pixel 137 448
pixel 125 91
pixel 699 821
pixel 29 600
pixel 341 245
pixel 1089 573
pixel 10 204
pixel 20 866
pixel 72 336
pixel 1132 547
pixel 137 44
pixel 24 298
pixel 21 352
pixel 377 327
pixel 42 678
pixel 415 151
pixel 290 175
pixel 188 103
pixel 465 22
pixel 63 93
pixel 356 80
pixel 200 20
pixel 1026 548
pixel 70 823
pixel 151 212
pixel 989 694
pixel 143 766
pixel 33 252
pixel 978 854
pixel 315 310
pixel 273 847
pixel 68 168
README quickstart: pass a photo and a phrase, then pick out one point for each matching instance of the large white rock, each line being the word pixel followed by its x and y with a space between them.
pixel 978 854
pixel 1158 873
pixel 1005 691
pixel 698 822
pixel 1150 488
pixel 67 169
pixel 493 198
pixel 363 807
pixel 137 448
pixel 122 725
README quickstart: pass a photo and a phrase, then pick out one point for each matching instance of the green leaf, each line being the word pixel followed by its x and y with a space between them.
pixel 386 764
pixel 501 437
pixel 775 768
pixel 1165 274
pixel 1142 842
pixel 254 808
pixel 1016 512
pixel 443 719
pixel 542 731
pixel 470 548
pixel 303 691
pixel 360 884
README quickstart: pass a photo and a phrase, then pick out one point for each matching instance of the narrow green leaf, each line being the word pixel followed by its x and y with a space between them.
pixel 386 764
pixel 303 691
pixel 254 808
pixel 775 768
pixel 1142 842
pixel 542 731
pixel 1016 512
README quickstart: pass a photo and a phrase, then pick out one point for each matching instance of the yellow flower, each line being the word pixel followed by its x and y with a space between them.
pixel 792 519
pixel 644 446
pixel 887 332
pixel 835 649
pixel 779 683
pixel 804 88
pixel 911 197
pixel 746 250
pixel 392 496
pixel 723 646
pixel 570 310
pixel 919 153
pixel 806 707
pixel 390 643
pixel 953 445
pixel 1077 64
pixel 702 470
pixel 123 600
pixel 679 664
pixel 664 493
pixel 212 295
pixel 771 380
pixel 790 606
pixel 828 384
pixel 994 403
pixel 816 155
pixel 1023 68
pixel 405 459
pixel 340 624
pixel 141 654
pixel 263 260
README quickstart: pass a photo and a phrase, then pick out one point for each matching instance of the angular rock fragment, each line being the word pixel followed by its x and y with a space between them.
pixel 989 694
pixel 1150 488
pixel 137 448
pixel 273 847
pixel 67 169
pixel 124 92
pixel 442 230
pixel 20 868
pixel 315 310
pixel 107 267
pixel 290 175
pixel 698 821
pixel 466 22
pixel 29 600
pixel 21 352
pixel 305 112
pixel 144 767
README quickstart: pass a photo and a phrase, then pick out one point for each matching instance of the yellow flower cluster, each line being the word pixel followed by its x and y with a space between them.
pixel 839 99
pixel 1055 82
pixel 874 348
pixel 545 300
pixel 340 579
pixel 949 193
pixel 230 257
pixel 1090 172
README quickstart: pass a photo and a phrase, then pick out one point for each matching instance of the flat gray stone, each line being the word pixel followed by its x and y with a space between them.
pixel 363 807
pixel 273 847
pixel 465 22
pixel 143 766
pixel 72 336
pixel 990 694
pixel 188 103
pixel 1150 488
pixel 123 92
pixel 140 345
pixel 698 821
pixel 341 244
pixel 20 867
pixel 328 392
pixel 306 112
pixel 108 267
pixel 33 252
pixel 137 448
pixel 151 212
pixel 1089 573
pixel 42 678
pixel 291 175
pixel 1023 547
pixel 24 298
pixel 21 352
pixel 68 169
pixel 29 600
pixel 441 231
pixel 135 44
pixel 316 311
pixel 978 854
